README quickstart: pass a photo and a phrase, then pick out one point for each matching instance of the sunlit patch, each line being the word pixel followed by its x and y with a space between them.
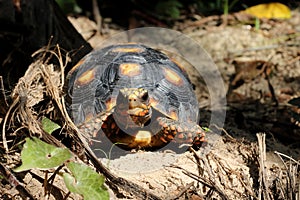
pixel 143 136
pixel 130 69
pixel 77 65
pixel 172 77
pixel 86 77
pixel 128 49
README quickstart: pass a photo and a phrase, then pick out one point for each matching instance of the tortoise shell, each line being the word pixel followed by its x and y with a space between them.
pixel 95 83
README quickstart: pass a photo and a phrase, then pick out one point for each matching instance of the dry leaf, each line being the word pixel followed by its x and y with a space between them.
pixel 270 10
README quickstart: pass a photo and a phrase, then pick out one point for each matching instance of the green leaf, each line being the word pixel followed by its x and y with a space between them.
pixel 206 129
pixel 169 8
pixel 69 6
pixel 41 155
pixel 86 182
pixel 49 126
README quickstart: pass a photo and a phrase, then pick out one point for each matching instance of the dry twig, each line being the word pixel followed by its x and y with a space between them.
pixel 263 191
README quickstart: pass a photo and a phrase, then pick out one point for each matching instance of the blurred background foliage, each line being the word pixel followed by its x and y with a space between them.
pixel 167 11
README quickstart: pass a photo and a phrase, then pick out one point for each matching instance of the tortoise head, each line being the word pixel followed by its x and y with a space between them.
pixel 136 103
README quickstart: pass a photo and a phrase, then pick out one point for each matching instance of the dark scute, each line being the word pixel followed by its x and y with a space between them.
pixel 110 76
pixel 152 55
pixel 173 100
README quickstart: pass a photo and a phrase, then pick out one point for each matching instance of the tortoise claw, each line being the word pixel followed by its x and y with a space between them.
pixel 181 132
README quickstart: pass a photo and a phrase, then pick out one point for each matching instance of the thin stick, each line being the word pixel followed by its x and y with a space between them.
pixel 290 158
pixel 5 121
pixel 182 192
pixel 97 15
pixel 263 192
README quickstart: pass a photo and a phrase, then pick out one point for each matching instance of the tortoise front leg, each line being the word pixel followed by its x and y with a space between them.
pixel 181 132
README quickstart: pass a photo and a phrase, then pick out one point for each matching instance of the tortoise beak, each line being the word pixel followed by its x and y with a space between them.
pixel 140 112
pixel 140 116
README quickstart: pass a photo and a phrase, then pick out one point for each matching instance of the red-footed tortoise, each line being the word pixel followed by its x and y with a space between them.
pixel 136 96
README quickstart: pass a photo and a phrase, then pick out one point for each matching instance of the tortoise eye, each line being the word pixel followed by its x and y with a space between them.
pixel 145 96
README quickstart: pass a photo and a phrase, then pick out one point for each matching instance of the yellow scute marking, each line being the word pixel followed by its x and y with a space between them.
pixel 173 77
pixel 130 69
pixel 128 50
pixel 86 77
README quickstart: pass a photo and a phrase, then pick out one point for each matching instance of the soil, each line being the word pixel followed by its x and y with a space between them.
pixel 258 143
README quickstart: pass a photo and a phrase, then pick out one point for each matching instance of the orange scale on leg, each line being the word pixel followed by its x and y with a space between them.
pixel 189 135
pixel 170 137
pixel 185 129
pixel 113 126
pixel 190 140
pixel 179 129
pixel 165 125
pixel 197 142
pixel 163 139
pixel 104 125
pixel 172 127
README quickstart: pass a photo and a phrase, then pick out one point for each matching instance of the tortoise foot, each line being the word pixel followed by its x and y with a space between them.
pixel 181 132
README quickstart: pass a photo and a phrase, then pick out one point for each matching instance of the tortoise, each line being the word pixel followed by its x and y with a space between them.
pixel 137 96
